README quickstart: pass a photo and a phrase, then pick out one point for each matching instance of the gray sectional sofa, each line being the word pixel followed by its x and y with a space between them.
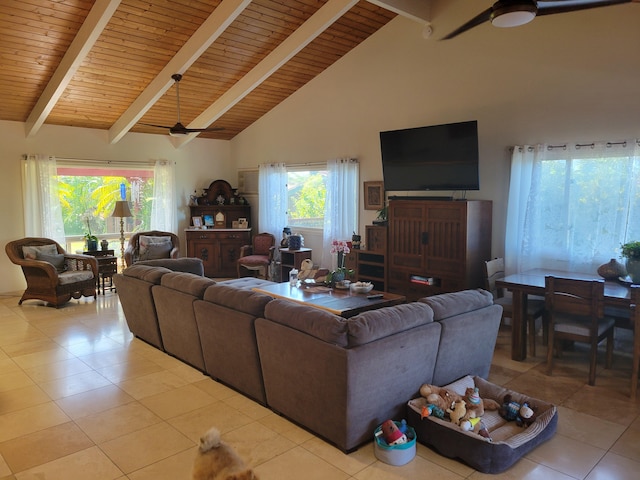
pixel 339 378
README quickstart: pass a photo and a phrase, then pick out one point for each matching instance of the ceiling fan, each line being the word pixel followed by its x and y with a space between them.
pixel 179 130
pixel 513 13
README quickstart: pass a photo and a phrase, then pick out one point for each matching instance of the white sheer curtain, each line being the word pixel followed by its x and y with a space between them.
pixel 42 209
pixel 272 185
pixel 571 206
pixel 341 204
pixel 164 206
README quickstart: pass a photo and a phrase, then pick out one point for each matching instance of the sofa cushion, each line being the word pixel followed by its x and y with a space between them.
pixel 146 272
pixel 31 252
pixel 184 264
pixel 450 304
pixel 240 299
pixel 68 277
pixel 186 283
pixel 154 247
pixel 313 321
pixel 374 324
pixel 57 260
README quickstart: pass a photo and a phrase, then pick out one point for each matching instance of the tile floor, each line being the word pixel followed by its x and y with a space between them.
pixel 81 399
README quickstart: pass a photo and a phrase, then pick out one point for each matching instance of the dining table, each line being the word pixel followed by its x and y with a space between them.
pixel 531 282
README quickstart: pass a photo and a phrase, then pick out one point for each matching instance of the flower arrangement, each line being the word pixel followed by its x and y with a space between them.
pixel 341 248
pixel 90 239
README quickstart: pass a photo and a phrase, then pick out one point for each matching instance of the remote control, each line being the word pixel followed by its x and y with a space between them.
pixel 374 296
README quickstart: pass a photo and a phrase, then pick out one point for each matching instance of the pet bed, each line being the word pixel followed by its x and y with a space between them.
pixel 508 442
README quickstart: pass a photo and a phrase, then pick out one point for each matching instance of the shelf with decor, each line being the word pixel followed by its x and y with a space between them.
pixel 370 264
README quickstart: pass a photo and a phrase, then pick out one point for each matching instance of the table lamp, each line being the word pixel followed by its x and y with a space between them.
pixel 122 210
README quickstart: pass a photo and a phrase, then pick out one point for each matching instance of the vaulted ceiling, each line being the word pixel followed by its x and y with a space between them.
pixel 107 64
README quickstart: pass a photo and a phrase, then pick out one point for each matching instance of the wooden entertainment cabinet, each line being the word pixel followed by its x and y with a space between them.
pixel 437 246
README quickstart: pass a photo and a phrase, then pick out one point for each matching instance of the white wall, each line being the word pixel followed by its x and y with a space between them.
pixel 197 164
pixel 562 78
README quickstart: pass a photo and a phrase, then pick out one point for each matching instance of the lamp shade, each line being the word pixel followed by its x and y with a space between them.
pixel 122 209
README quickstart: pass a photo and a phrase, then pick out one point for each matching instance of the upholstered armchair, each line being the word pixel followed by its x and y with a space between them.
pixel 151 245
pixel 258 255
pixel 52 274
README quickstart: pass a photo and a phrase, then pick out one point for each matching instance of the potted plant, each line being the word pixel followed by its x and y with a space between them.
pixel 631 252
pixel 90 239
pixel 381 218
pixel 340 248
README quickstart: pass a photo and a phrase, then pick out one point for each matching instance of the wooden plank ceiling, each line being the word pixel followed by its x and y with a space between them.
pixel 122 78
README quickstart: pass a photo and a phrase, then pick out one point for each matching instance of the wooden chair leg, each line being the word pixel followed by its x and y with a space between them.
pixel 550 352
pixel 609 360
pixel 593 361
pixel 532 336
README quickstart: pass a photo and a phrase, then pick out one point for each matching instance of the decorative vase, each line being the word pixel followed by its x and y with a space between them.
pixel 633 269
pixel 92 245
pixel 104 244
pixel 337 277
pixel 612 270
pixel 295 242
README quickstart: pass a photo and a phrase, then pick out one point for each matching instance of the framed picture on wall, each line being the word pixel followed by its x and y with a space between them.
pixel 373 195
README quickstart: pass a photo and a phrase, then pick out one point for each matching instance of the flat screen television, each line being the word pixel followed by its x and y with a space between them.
pixel 438 157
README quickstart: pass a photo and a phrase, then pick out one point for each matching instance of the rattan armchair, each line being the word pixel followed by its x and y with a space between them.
pixel 69 276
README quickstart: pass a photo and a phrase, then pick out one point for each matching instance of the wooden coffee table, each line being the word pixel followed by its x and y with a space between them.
pixel 340 302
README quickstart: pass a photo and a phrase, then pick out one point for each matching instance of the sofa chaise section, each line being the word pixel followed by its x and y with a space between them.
pixel 225 318
pixel 340 378
pixel 174 299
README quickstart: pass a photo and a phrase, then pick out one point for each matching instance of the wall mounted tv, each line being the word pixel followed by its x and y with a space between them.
pixel 438 157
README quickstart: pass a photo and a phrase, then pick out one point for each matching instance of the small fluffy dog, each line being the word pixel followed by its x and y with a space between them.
pixel 216 460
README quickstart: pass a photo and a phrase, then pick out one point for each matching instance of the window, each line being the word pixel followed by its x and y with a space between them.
pixel 571 207
pixel 88 195
pixel 307 191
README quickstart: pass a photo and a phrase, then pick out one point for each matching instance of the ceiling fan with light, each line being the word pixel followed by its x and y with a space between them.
pixel 179 130
pixel 513 13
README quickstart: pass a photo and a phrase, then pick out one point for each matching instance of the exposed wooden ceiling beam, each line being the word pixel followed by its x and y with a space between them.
pixel 318 23
pixel 210 30
pixel 418 10
pixel 89 32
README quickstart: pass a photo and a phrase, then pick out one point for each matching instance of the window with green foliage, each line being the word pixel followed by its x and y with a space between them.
pixel 307 193
pixel 88 196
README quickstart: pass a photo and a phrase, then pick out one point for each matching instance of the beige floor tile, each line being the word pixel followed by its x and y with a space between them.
pixel 257 444
pixel 177 401
pixel 215 389
pixel 43 357
pixel 151 384
pixel 628 445
pixel 7 365
pixel 144 447
pixel 19 398
pixel 588 428
pixel 39 344
pixel 299 463
pixel 5 471
pixel 416 469
pixel 448 463
pixel 176 467
pixel 220 415
pixel 90 463
pixel 95 345
pixel 618 407
pixel 567 456
pixel 132 368
pixel 94 401
pixel 350 464
pixel 53 371
pixel 117 356
pixel 613 466
pixel 552 389
pixel 524 469
pixel 13 380
pixel 286 428
pixel 29 420
pixel 113 423
pixel 247 406
pixel 44 446
pixel 74 384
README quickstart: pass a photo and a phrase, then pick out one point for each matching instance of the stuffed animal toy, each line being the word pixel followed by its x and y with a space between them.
pixel 442 398
pixel 457 411
pixel 476 405
pixel 392 434
pixel 511 410
pixel 431 410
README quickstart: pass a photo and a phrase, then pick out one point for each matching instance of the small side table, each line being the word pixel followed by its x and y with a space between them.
pixel 290 259
pixel 107 268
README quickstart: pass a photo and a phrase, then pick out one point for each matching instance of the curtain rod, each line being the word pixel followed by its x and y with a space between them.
pixel 578 146
pixel 95 161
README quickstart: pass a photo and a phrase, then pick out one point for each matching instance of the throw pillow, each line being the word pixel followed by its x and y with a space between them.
pixel 151 248
pixel 31 253
pixel 56 260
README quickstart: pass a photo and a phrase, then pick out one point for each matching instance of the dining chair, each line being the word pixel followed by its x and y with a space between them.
pixel 575 311
pixel 258 255
pixel 494 270
pixel 635 317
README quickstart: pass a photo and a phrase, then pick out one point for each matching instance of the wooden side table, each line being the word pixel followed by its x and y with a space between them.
pixel 290 259
pixel 107 268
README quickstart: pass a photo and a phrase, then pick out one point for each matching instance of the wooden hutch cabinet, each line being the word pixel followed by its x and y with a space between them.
pixel 217 244
pixel 370 265
pixel 437 246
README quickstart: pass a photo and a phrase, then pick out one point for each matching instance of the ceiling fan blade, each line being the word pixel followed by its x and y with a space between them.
pixel 212 129
pixel 474 22
pixel 553 7
pixel 152 125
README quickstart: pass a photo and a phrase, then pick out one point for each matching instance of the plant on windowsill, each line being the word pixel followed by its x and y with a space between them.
pixel 340 248
pixel 631 252
pixel 90 239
